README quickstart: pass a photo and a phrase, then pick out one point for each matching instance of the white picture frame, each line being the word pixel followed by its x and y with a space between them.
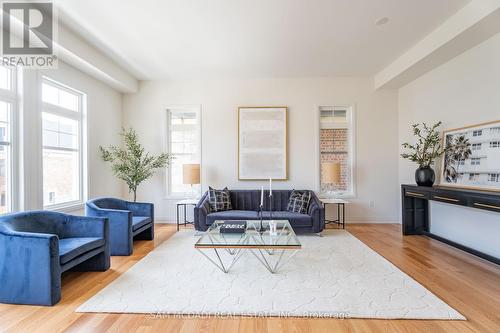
pixel 262 143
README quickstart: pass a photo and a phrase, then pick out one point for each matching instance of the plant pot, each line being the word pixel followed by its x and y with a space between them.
pixel 425 176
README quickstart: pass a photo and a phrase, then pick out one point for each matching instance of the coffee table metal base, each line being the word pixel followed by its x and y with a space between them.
pixel 272 266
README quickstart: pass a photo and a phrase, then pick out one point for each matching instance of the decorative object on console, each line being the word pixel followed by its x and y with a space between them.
pixel 472 157
pixel 424 152
pixel 299 201
pixel 262 143
pixel 330 174
pixel 219 200
pixel 191 176
pixel 131 163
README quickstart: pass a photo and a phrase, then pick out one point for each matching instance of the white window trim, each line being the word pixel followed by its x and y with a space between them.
pixel 11 96
pixel 351 143
pixel 81 117
pixel 166 130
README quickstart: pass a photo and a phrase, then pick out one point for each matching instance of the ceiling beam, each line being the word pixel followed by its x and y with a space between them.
pixel 473 24
pixel 73 50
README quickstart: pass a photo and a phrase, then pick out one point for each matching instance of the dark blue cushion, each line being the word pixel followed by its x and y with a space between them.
pixel 232 215
pixel 139 221
pixel 70 248
pixel 295 219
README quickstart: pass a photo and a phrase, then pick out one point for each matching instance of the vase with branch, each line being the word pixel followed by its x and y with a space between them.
pixel 424 152
pixel 131 163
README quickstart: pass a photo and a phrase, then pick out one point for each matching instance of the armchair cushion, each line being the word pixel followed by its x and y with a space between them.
pixel 70 248
pixel 139 221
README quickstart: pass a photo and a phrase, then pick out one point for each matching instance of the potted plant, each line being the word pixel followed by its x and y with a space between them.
pixel 424 152
pixel 131 163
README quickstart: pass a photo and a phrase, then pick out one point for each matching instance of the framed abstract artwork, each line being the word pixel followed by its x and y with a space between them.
pixel 262 143
pixel 472 157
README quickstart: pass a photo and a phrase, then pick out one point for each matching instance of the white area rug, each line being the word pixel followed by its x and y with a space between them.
pixel 335 275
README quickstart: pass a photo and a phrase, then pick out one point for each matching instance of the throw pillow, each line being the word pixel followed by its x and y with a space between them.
pixel 219 200
pixel 299 201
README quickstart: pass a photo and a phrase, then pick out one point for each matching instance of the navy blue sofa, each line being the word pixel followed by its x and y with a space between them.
pixel 127 221
pixel 245 204
pixel 36 247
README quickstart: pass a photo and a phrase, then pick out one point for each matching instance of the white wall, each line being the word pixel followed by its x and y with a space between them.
pixel 104 120
pixel 462 92
pixel 376 140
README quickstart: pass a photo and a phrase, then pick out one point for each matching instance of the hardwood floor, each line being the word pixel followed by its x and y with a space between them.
pixel 469 284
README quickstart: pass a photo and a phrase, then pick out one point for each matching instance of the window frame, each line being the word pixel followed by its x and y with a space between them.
pixel 11 97
pixel 80 117
pixel 167 146
pixel 351 126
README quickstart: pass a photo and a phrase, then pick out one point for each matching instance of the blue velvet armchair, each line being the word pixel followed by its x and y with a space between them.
pixel 127 221
pixel 36 247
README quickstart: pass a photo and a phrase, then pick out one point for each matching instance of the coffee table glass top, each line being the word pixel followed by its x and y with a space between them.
pixel 284 238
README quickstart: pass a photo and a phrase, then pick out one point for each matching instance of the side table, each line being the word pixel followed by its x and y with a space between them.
pixel 184 203
pixel 340 210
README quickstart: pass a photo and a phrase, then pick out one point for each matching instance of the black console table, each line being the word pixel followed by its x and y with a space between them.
pixel 415 200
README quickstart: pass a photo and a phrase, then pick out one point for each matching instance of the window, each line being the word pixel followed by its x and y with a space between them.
pixel 494 177
pixel 495 144
pixel 184 143
pixel 495 130
pixel 477 133
pixel 461 162
pixel 475 161
pixel 476 146
pixel 7 108
pixel 473 177
pixel 336 136
pixel 62 127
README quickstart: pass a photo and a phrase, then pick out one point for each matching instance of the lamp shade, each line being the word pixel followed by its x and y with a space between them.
pixel 330 173
pixel 190 174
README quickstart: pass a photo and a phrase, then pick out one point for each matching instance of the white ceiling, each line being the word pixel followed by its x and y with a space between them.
pixel 154 39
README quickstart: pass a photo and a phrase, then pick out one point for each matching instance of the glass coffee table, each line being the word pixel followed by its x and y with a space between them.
pixel 268 248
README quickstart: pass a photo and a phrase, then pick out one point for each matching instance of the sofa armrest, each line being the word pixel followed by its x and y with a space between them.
pixel 141 209
pixel 317 212
pixel 112 214
pixel 86 226
pixel 30 273
pixel 201 210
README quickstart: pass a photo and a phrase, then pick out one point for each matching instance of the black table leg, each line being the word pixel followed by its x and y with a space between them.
pixel 177 217
pixel 343 216
pixel 185 219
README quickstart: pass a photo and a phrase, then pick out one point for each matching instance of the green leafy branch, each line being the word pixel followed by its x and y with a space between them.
pixel 132 163
pixel 428 146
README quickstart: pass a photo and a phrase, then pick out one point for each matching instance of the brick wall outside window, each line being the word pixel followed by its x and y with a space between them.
pixel 334 147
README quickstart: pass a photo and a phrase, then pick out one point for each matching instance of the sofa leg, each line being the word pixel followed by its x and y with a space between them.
pixel 148 234
pixel 98 263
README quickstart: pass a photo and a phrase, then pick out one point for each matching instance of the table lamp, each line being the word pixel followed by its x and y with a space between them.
pixel 191 176
pixel 330 174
